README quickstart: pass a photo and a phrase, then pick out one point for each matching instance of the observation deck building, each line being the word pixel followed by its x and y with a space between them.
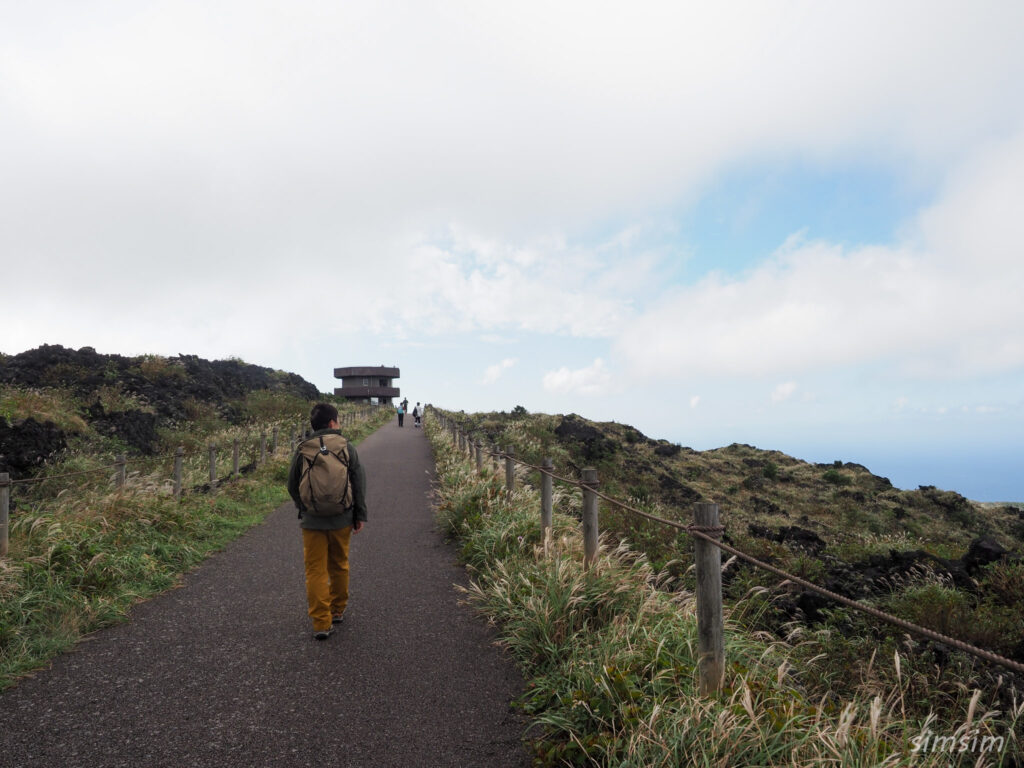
pixel 367 384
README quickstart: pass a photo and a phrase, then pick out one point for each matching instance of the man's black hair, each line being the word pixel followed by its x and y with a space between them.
pixel 322 415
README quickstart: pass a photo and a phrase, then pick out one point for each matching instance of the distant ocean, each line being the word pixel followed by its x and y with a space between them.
pixel 991 475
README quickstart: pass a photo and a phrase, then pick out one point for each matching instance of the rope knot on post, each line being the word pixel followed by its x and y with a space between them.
pixel 713 531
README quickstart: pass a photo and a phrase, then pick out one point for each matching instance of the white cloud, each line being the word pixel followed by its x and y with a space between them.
pixel 944 301
pixel 468 284
pixel 694 401
pixel 783 391
pixel 592 380
pixel 494 338
pixel 494 372
pixel 435 166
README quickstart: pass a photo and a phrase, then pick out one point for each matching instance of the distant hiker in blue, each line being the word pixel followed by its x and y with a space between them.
pixel 401 414
pixel 328 485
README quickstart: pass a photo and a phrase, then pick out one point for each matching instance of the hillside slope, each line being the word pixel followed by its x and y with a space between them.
pixel 53 397
pixel 837 524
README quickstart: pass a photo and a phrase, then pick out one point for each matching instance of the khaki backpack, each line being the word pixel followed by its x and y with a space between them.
pixel 324 486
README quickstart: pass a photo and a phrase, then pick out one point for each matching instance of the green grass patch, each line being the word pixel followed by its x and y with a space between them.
pixel 82 554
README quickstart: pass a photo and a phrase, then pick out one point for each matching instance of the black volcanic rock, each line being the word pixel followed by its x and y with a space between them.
pixel 792 534
pixel 83 371
pixel 593 444
pixel 165 387
pixel 664 448
pixel 26 445
pixel 136 428
pixel 982 551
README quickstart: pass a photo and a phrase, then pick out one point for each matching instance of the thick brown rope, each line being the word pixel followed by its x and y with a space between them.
pixel 27 480
pixel 870 610
pixel 709 534
pixel 104 468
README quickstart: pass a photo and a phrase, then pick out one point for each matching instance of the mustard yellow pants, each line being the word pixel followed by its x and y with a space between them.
pixel 326 557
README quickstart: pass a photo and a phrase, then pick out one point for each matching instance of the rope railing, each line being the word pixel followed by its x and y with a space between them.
pixel 710 534
pixel 104 468
pixel 120 465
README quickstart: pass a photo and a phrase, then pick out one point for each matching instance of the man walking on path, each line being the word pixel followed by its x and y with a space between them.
pixel 418 680
pixel 328 485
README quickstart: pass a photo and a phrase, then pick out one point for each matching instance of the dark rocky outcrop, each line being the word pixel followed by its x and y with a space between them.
pixel 592 443
pixel 677 493
pixel 765 507
pixel 799 538
pixel 666 449
pixel 983 551
pixel 27 444
pixel 881 571
pixel 952 504
pixel 137 429
pixel 166 388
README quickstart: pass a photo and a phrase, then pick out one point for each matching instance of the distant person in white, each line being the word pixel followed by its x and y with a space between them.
pixel 417 414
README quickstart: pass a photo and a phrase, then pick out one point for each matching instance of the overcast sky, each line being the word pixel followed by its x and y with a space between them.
pixel 796 225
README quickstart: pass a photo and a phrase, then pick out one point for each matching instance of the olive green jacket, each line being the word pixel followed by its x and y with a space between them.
pixel 357 477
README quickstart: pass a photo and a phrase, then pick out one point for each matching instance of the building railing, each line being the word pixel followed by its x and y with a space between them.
pixel 367 391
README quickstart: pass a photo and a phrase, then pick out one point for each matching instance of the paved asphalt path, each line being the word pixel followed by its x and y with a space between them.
pixel 224 671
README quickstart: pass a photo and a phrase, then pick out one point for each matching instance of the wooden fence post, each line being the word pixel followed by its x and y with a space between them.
pixel 710 642
pixel 494 458
pixel 589 482
pixel 122 470
pixel 213 466
pixel 479 447
pixel 5 512
pixel 546 495
pixel 234 458
pixel 510 472
pixel 179 453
